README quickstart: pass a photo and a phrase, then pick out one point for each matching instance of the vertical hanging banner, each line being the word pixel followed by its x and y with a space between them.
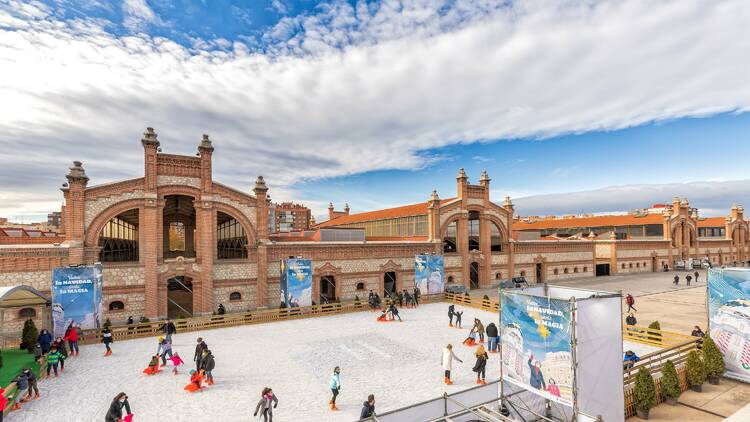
pixel 76 296
pixel 536 345
pixel 729 318
pixel 296 282
pixel 429 273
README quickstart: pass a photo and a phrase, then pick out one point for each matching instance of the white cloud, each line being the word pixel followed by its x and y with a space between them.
pixel 137 14
pixel 355 89
pixel 711 198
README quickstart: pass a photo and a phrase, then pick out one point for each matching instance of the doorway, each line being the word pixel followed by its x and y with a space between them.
pixel 179 297
pixel 474 275
pixel 653 264
pixel 327 289
pixel 389 283
pixel 602 270
pixel 539 272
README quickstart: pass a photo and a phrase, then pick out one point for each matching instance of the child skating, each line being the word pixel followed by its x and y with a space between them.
pixel 153 366
pixel 176 361
pixel 196 381
pixel 458 318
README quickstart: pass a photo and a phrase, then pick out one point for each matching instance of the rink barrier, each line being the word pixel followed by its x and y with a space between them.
pixel 151 329
pixel 10 390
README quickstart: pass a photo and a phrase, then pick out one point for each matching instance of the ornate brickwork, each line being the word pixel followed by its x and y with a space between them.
pixel 40 280
pixel 162 180
pixel 234 271
pixel 247 297
pixel 119 276
pixel 97 206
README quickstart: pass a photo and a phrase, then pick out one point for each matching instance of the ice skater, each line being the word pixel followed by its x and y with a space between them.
pixel 33 388
pixel 53 358
pixel 479 329
pixel 199 349
pixel 493 338
pixel 163 349
pixel 447 362
pixel 107 340
pixel 481 364
pixel 176 361
pixel 417 293
pixel 394 313
pixel 59 344
pixel 458 318
pixel 368 408
pixel 335 385
pixel 71 336
pixel 207 365
pixel 451 312
pixel 407 298
pixel 169 329
pixel 114 414
pixel 264 404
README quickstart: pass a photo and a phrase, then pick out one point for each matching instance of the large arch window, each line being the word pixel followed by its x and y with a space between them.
pixel 118 239
pixel 231 240
pixel 474 231
pixel 449 241
pixel 496 241
pixel 179 226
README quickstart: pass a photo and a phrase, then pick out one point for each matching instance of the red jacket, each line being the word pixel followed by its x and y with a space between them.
pixel 71 335
pixel 3 400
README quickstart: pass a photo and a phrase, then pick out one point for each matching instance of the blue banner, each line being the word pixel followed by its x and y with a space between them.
pixel 429 273
pixel 536 345
pixel 729 318
pixel 296 282
pixel 76 297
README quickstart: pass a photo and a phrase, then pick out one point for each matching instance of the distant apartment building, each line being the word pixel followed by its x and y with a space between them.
pixel 54 220
pixel 288 216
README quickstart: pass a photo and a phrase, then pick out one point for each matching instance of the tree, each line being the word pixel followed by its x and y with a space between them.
pixel 144 320
pixel 712 358
pixel 670 383
pixel 696 371
pixel 645 390
pixel 1 358
pixel 30 335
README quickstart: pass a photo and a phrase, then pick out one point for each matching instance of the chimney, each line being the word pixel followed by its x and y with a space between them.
pixel 330 211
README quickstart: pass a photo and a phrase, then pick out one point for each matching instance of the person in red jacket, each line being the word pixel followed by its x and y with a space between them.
pixel 71 335
pixel 3 402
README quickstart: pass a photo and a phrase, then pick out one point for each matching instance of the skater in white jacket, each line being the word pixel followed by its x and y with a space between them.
pixel 447 361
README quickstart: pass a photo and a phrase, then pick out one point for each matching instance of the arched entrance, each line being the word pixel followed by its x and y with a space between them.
pixel 389 283
pixel 539 273
pixel 474 275
pixel 179 297
pixel 327 289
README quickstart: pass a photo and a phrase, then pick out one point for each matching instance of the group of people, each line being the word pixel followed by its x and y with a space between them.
pixel 475 337
pixel 410 299
pixel 368 406
pixel 688 278
pixel 480 365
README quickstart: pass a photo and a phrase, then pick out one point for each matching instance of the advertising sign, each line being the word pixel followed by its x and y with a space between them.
pixel 76 297
pixel 536 345
pixel 429 273
pixel 729 318
pixel 296 282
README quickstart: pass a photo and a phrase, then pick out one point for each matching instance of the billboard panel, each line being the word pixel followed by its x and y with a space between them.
pixel 536 345
pixel 729 318
pixel 76 296
pixel 296 282
pixel 429 273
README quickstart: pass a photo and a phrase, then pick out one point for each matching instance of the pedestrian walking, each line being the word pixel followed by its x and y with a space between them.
pixel 676 280
pixel 688 278
pixel 630 301
pixel 447 362
pixel 264 404
pixel 335 385
pixel 696 274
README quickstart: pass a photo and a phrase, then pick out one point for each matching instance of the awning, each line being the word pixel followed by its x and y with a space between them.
pixel 20 296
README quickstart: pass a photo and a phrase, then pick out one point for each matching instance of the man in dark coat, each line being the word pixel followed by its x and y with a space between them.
pixel 199 349
pixel 45 340
pixel 168 328
pixel 492 337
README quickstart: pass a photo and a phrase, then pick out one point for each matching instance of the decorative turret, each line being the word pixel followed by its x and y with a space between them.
pixel 262 205
pixel 149 138
pixel 330 210
pixel 205 145
pixel 77 174
pixel 346 208
pixel 484 179
pixel 508 205
pixel 462 182
pixel 205 151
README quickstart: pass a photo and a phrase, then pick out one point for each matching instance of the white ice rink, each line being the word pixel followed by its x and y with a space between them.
pixel 398 362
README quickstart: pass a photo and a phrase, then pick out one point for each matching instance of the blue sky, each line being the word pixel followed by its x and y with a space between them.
pixel 572 107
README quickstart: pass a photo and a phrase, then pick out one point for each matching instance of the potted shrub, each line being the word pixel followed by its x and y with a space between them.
pixel 644 393
pixel 696 371
pixel 30 335
pixel 670 383
pixel 713 360
pixel 654 336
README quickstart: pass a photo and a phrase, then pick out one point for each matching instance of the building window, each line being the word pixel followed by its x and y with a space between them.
pixel 498 276
pixel 638 265
pixel 449 241
pixel 231 241
pixel 565 271
pixel 523 273
pixel 360 286
pixel 585 269
pixel 555 271
pixel 176 236
pixel 450 279
pixel 623 266
pixel 575 270
pixel 474 231
pixel 27 313
pixel 496 242
pixel 119 238
pixel 235 296
pixel 116 305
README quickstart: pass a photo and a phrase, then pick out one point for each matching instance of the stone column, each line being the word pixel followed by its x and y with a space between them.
pixel 149 226
pixel 508 205
pixel 205 222
pixel 485 245
pixel 75 210
pixel 462 241
pixel 261 209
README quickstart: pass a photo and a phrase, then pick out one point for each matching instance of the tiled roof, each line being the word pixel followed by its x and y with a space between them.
pixel 384 214
pixel 596 221
pixel 712 222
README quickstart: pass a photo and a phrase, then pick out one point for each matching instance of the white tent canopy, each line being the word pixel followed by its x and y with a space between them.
pixel 21 296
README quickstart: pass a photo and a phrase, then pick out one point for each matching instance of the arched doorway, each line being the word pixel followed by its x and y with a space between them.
pixel 389 283
pixel 327 289
pixel 179 226
pixel 179 297
pixel 474 275
pixel 539 273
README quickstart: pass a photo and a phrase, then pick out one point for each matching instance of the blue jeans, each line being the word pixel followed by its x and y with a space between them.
pixel 493 343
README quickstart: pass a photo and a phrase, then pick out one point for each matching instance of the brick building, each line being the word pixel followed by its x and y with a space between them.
pixel 176 241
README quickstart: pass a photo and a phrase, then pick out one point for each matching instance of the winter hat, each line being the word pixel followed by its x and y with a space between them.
pixel 192 371
pixel 161 338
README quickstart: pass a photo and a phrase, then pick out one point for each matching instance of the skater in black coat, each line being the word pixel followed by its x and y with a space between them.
pixel 199 349
pixel 207 365
pixel 451 312
pixel 368 407
pixel 168 328
pixel 394 312
pixel 114 414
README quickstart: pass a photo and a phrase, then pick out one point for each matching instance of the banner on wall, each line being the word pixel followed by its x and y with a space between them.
pixel 296 282
pixel 429 273
pixel 536 345
pixel 729 318
pixel 76 297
